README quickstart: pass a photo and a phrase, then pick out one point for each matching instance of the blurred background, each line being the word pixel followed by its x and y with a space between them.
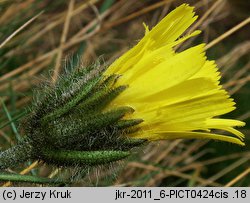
pixel 39 38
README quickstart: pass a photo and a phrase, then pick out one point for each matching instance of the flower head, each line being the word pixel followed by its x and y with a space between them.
pixel 96 115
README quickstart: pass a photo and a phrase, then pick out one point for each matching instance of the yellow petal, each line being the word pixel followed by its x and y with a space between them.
pixel 173 71
pixel 167 31
pixel 176 94
pixel 209 70
pixel 186 90
pixel 198 108
pixel 226 124
pixel 189 135
pixel 172 26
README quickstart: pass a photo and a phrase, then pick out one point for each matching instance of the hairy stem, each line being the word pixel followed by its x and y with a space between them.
pixel 29 179
pixel 16 154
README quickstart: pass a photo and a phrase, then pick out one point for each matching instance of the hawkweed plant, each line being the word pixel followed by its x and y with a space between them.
pixel 96 115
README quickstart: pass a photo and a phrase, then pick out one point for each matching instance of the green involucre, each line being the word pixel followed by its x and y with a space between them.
pixel 69 124
pixel 90 158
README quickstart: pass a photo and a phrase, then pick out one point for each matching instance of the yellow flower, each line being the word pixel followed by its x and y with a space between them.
pixel 176 94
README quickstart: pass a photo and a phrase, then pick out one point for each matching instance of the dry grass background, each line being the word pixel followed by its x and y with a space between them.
pixel 38 38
